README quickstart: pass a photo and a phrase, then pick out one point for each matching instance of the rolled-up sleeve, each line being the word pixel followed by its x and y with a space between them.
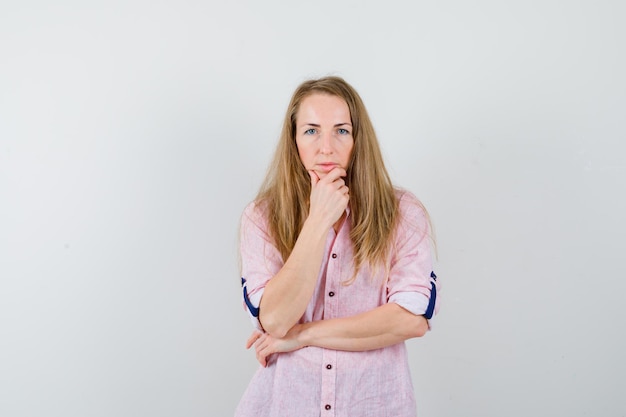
pixel 412 283
pixel 260 260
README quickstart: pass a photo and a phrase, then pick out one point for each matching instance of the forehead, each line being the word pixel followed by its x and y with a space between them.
pixel 322 106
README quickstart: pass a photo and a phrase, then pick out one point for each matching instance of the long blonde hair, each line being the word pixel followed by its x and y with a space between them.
pixel 287 186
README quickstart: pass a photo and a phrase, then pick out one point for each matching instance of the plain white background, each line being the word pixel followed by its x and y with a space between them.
pixel 133 133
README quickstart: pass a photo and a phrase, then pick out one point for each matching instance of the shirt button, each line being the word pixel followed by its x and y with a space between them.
pixel 327 407
pixel 331 294
pixel 334 255
pixel 329 366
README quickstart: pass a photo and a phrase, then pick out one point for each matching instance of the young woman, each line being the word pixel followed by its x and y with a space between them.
pixel 336 268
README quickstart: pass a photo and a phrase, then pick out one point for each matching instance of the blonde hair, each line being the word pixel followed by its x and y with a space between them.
pixel 287 186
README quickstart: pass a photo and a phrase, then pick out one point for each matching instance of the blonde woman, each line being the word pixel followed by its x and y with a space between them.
pixel 336 268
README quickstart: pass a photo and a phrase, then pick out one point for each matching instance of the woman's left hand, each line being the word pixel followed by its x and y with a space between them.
pixel 265 345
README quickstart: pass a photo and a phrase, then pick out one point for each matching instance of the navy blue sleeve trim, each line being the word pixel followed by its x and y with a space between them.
pixel 430 310
pixel 253 310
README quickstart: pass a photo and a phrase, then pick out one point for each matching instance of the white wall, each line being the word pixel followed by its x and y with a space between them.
pixel 132 134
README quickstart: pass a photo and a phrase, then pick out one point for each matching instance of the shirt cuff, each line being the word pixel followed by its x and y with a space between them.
pixel 252 303
pixel 414 302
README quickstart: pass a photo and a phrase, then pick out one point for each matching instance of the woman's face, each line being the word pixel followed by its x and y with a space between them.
pixel 324 133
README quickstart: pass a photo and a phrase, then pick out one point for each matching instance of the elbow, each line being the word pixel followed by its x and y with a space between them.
pixel 275 328
pixel 417 327
pixel 410 325
pixel 422 328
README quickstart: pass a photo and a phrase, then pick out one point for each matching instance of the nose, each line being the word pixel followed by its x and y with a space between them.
pixel 326 143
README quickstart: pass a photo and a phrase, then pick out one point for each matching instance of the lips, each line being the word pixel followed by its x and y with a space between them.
pixel 327 166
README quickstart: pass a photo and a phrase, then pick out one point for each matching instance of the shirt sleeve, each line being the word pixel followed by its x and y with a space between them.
pixel 412 282
pixel 260 260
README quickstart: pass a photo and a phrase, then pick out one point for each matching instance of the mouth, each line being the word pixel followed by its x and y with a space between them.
pixel 327 167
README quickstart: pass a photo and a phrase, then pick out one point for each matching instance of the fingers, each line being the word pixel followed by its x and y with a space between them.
pixel 314 178
pixel 329 196
pixel 328 177
pixel 253 338
pixel 334 178
pixel 261 359
pixel 334 174
pixel 261 349
pixel 259 341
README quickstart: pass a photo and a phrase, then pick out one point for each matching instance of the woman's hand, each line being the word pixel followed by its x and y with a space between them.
pixel 329 196
pixel 265 345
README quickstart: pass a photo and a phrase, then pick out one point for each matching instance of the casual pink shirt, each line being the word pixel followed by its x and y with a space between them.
pixel 312 381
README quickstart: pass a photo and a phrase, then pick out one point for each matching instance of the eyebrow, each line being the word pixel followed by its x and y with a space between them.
pixel 316 125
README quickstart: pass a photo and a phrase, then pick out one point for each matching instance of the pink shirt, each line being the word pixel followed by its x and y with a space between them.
pixel 313 382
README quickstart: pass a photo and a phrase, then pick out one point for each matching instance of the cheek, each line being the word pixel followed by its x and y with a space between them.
pixel 304 154
pixel 348 152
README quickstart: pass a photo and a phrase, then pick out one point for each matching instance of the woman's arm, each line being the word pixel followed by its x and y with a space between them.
pixel 383 326
pixel 288 293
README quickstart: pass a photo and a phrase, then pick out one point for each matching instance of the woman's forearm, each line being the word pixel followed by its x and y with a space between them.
pixel 383 326
pixel 288 293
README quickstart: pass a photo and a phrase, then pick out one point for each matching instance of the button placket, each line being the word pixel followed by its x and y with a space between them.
pixel 332 277
pixel 333 271
pixel 329 357
pixel 329 378
pixel 329 370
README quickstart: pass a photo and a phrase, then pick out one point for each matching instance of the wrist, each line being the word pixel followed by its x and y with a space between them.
pixel 316 226
pixel 303 335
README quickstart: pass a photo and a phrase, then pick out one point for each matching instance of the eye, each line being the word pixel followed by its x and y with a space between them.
pixel 343 131
pixel 310 131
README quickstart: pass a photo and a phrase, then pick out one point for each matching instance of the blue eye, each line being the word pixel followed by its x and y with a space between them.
pixel 343 131
pixel 309 131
